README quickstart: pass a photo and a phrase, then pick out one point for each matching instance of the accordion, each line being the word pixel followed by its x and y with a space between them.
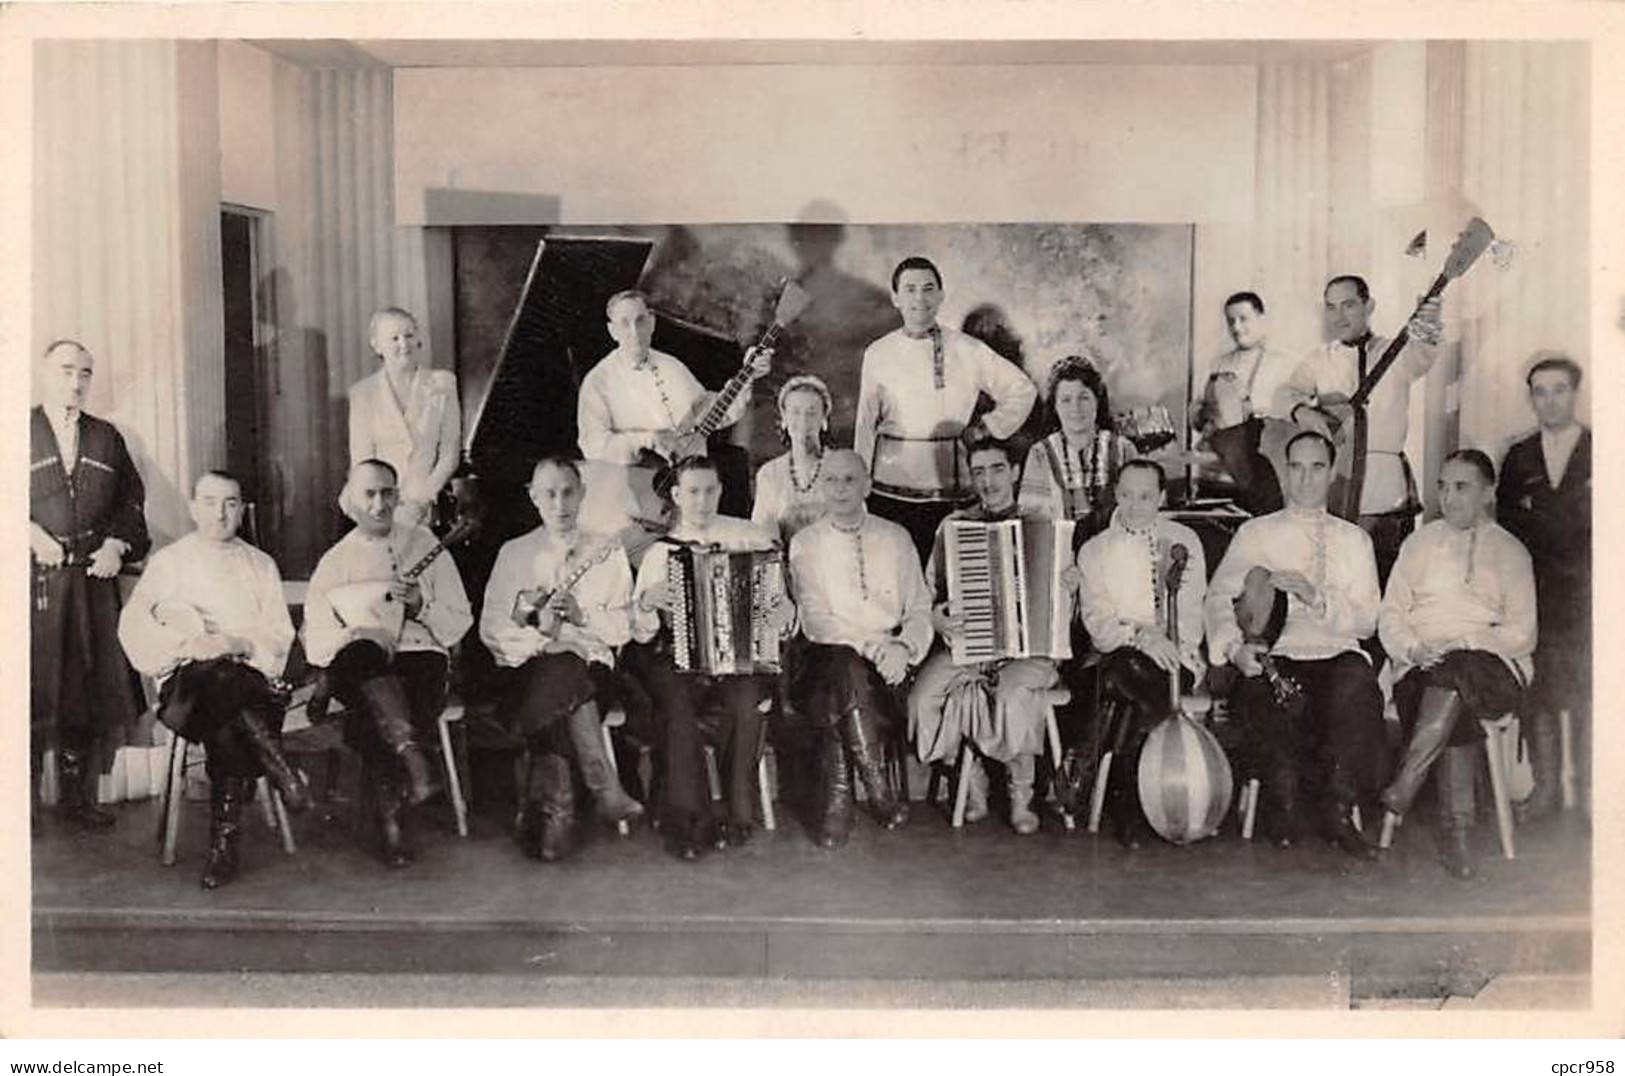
pixel 720 608
pixel 1005 580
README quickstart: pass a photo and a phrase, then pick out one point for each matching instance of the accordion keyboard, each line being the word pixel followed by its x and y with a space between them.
pixel 979 636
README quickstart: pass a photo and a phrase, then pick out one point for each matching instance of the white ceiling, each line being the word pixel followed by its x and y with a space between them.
pixel 533 53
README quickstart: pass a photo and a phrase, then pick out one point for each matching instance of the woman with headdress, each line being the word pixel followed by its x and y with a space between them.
pixel 1070 472
pixel 787 494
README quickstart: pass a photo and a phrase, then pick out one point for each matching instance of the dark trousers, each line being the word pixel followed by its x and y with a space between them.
pixel 920 520
pixel 683 700
pixel 1334 737
pixel 1135 695
pixel 422 677
pixel 203 702
pixel 834 680
pixel 1486 686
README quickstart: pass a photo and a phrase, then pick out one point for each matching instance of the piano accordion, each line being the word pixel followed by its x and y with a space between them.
pixel 1004 578
pixel 720 609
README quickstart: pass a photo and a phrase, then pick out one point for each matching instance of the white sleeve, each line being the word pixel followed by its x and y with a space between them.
pixel 1013 392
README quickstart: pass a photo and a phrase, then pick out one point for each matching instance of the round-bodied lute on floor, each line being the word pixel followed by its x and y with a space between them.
pixel 1185 781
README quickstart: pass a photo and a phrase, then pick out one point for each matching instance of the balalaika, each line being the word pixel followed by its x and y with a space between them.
pixel 721 609
pixel 1005 580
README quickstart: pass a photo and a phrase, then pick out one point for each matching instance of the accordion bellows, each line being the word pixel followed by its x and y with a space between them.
pixel 720 608
pixel 1005 580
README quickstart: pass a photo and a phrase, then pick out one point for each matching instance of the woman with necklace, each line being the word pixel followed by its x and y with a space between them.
pixel 1070 474
pixel 787 488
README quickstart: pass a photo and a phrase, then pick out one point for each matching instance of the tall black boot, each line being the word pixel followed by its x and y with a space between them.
pixel 391 816
pixel 1546 759
pixel 587 740
pixel 391 715
pixel 552 798
pixel 225 808
pixel 835 774
pixel 861 738
pixel 1436 716
pixel 1457 770
pixel 1341 830
pixel 295 793
pixel 77 785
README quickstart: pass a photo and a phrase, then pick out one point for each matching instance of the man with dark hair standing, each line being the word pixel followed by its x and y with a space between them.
pixel 85 521
pixel 917 392
pixel 1319 390
pixel 1544 498
pixel 1244 388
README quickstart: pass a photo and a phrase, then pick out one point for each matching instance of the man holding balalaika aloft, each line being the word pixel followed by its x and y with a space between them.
pixel 383 609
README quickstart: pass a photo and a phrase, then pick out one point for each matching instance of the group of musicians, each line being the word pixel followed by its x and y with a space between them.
pixel 580 622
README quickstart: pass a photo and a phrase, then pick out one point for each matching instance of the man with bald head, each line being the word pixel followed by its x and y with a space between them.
pixel 85 522
pixel 382 626
pixel 866 612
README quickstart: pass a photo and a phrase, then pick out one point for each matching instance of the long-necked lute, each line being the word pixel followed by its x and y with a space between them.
pixel 372 603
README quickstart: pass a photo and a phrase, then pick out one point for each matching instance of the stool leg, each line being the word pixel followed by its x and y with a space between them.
pixel 454 783
pixel 262 792
pixel 1053 730
pixel 1565 732
pixel 172 803
pixel 769 822
pixel 280 810
pixel 712 777
pixel 962 792
pixel 1390 822
pixel 1249 814
pixel 1097 796
pixel 1495 754
pixel 623 827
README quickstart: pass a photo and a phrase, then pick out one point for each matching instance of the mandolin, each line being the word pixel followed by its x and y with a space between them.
pixel 528 604
pixel 1261 614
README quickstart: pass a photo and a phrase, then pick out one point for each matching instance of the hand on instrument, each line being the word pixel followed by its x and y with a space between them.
pixel 653 599
pixel 1427 325
pixel 1159 648
pixel 760 361
pixel 47 550
pixel 104 564
pixel 565 607
pixel 891 661
pixel 947 622
pixel 1246 658
pixel 1296 584
pixel 1071 578
pixel 548 620
pixel 410 595
pixel 782 617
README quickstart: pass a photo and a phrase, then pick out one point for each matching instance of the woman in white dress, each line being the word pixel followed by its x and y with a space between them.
pixel 406 415
pixel 787 492
pixel 1071 472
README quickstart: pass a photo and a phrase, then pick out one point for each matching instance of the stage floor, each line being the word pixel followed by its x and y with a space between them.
pixel 923 904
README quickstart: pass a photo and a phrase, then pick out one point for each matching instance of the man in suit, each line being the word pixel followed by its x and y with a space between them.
pixel 1544 497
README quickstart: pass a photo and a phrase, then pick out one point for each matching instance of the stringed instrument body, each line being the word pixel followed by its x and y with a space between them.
pixel 372 604
pixel 1261 612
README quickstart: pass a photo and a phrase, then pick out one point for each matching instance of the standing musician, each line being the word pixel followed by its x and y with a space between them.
pixel 392 680
pixel 1545 499
pixel 917 391
pixel 636 398
pixel 866 614
pixel 85 522
pixel 208 621
pixel 1458 621
pixel 946 704
pixel 1325 566
pixel 1071 472
pixel 558 604
pixel 1244 389
pixel 789 494
pixel 1321 385
pixel 1122 602
pixel 406 415
pixel 679 697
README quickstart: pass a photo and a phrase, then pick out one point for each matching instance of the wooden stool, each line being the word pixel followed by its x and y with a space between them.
pixel 1500 754
pixel 454 783
pixel 169 804
pixel 1051 698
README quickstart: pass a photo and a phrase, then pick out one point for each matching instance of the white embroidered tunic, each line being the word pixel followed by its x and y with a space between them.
pixel 541 559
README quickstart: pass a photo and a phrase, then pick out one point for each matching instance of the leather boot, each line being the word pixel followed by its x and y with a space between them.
pixel 295 793
pixel 1457 771
pixel 587 739
pixel 555 799
pixel 1435 720
pixel 1282 820
pixel 862 741
pixel 1342 832
pixel 1022 818
pixel 835 774
pixel 976 792
pixel 1546 759
pixel 77 786
pixel 391 715
pixel 225 808
pixel 391 818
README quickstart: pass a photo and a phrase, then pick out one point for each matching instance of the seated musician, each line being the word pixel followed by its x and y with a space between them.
pixel 558 603
pixel 788 492
pixel 207 620
pixel 917 392
pixel 866 614
pixel 406 415
pixel 636 399
pixel 947 702
pixel 681 697
pixel 1326 568
pixel 1122 602
pixel 1071 473
pixel 388 669
pixel 1458 621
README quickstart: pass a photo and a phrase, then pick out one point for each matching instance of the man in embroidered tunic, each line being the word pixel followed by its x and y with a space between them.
pixel 1328 376
pixel 384 640
pixel 948 702
pixel 557 606
pixel 866 613
pixel 1544 498
pixel 917 391
pixel 1123 604
pixel 85 521
pixel 1458 621
pixel 1243 391
pixel 208 621
pixel 1325 566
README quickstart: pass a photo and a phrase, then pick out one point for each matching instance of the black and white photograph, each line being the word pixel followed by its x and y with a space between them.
pixel 615 519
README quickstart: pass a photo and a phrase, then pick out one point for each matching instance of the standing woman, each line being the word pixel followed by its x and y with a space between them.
pixel 406 415
pixel 787 488
pixel 1066 476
